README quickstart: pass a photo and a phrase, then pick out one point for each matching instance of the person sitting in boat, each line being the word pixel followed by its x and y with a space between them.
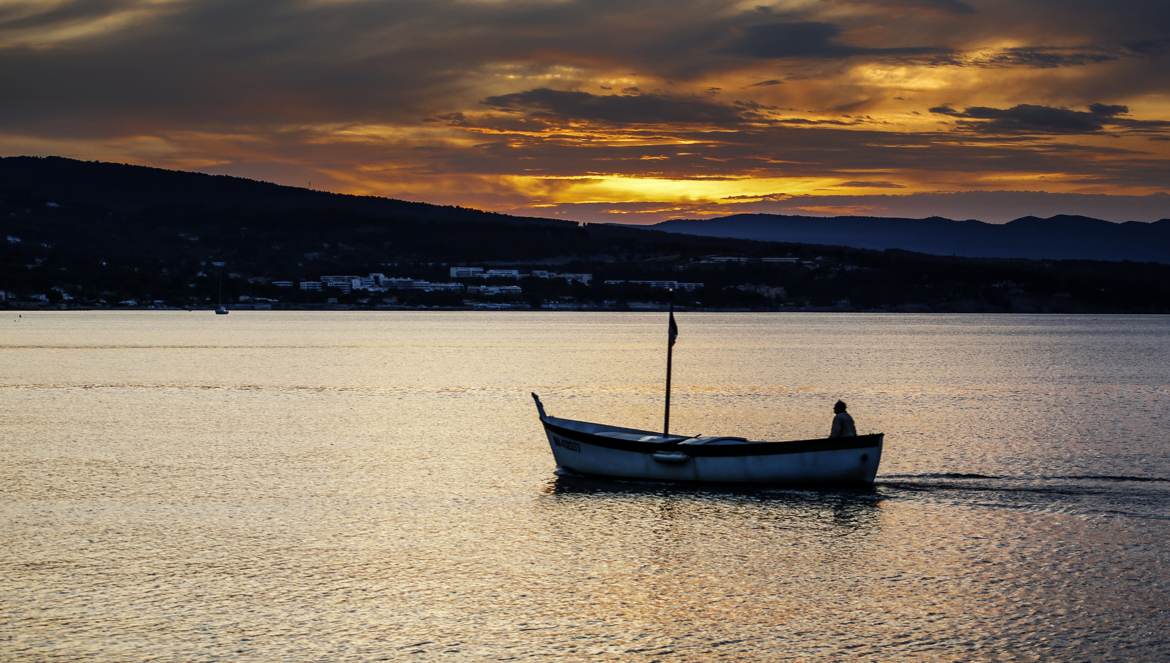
pixel 842 422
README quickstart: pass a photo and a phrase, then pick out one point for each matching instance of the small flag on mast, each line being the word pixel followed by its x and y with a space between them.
pixel 673 330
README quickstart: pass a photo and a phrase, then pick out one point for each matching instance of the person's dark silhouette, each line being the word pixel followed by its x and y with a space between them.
pixel 842 422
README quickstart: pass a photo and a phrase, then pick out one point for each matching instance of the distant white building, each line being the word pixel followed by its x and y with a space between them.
pixel 343 283
pixel 427 286
pixel 502 274
pixel 363 283
pixel 495 289
pixel 715 260
pixel 660 285
pixel 467 272
pixel 584 279
pixel 311 286
pixel 398 283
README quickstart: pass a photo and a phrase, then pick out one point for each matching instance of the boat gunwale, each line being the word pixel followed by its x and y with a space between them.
pixel 871 440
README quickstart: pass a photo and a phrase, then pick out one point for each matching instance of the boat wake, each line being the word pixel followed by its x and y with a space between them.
pixel 1054 477
pixel 1084 494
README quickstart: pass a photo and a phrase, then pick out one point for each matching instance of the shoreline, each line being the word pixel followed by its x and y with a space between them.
pixel 663 309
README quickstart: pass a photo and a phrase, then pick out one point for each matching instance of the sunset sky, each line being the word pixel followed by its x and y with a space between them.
pixel 620 111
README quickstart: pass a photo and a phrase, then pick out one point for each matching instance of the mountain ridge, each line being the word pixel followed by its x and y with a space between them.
pixel 1059 237
pixel 128 187
pixel 91 234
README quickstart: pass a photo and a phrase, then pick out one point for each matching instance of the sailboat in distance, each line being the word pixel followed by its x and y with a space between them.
pixel 602 450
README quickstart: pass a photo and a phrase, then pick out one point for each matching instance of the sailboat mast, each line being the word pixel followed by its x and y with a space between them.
pixel 671 332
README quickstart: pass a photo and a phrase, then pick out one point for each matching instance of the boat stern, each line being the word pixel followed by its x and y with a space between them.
pixel 869 458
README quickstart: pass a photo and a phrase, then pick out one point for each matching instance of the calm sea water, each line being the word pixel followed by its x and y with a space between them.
pixel 326 486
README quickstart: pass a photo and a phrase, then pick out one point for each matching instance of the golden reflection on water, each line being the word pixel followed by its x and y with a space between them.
pixel 365 485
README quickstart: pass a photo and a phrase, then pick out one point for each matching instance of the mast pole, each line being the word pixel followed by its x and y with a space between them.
pixel 669 353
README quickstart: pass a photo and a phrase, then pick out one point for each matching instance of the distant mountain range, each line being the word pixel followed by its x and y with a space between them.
pixel 78 234
pixel 169 194
pixel 130 189
pixel 1058 237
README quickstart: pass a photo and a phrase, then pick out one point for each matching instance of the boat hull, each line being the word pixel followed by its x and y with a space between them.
pixel 577 447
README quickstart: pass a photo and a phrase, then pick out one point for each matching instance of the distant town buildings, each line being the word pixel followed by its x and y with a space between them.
pixel 467 272
pixel 495 289
pixel 428 286
pixel 462 272
pixel 490 283
pixel 745 260
pixel 659 285
pixel 723 260
pixel 513 274
pixel 583 279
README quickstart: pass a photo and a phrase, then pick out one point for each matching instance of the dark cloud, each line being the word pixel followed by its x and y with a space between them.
pixel 811 123
pixel 1108 110
pixel 1051 57
pixel 1036 119
pixel 26 16
pixel 1045 58
pixel 403 94
pixel 955 6
pixel 1150 47
pixel 765 197
pixel 809 39
pixel 220 63
pixel 872 184
pixel 615 109
pixel 216 63
pixel 943 6
pixel 782 151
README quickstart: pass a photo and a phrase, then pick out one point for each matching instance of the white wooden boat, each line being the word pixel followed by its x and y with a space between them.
pixel 587 448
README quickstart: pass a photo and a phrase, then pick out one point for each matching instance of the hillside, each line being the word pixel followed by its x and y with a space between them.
pixel 1055 238
pixel 83 234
